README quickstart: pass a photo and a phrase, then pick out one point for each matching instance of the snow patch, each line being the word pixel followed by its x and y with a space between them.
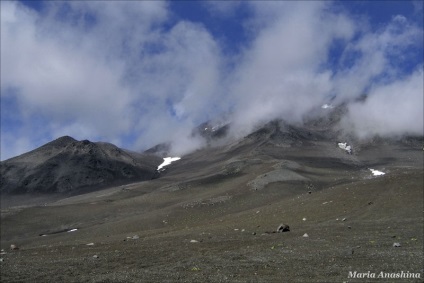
pixel 167 161
pixel 345 146
pixel 376 172
pixel 325 106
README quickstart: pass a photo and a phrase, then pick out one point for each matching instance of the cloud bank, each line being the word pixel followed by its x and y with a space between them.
pixel 135 74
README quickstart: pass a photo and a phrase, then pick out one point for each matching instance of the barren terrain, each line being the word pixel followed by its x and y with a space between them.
pixel 212 217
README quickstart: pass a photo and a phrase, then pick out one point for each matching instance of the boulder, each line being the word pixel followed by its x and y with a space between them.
pixel 14 247
pixel 283 228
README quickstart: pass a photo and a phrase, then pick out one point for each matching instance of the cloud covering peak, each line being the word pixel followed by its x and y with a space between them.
pixel 137 73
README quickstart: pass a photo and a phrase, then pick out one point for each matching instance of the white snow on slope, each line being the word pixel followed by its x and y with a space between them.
pixel 167 161
pixel 376 172
pixel 343 145
pixel 325 106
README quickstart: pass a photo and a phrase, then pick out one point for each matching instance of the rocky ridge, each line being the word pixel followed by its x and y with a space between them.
pixel 66 165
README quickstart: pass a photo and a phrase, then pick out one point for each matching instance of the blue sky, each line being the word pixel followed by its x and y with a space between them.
pixel 137 73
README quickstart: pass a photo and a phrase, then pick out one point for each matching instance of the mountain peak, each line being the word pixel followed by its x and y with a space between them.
pixel 62 141
pixel 66 165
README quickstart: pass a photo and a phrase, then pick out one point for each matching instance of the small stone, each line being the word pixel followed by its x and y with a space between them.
pixel 310 192
pixel 344 219
pixel 305 235
pixel 95 256
pixel 14 247
pixel 243 230
pixel 304 219
pixel 90 244
pixel 348 227
pixel 283 228
pixel 254 233
pixel 396 245
pixel 135 237
pixel 194 241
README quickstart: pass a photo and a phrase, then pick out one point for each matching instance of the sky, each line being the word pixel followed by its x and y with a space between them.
pixel 139 73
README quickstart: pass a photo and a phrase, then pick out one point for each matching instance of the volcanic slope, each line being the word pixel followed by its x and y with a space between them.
pixel 212 216
pixel 68 165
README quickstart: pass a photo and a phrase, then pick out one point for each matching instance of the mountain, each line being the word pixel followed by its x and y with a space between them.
pixel 67 165
pixel 215 214
pixel 161 149
pixel 212 130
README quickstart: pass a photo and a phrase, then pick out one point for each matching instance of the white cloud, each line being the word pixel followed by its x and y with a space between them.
pixel 375 54
pixel 391 109
pixel 107 70
pixel 281 75
pixel 70 84
pixel 103 77
pixel 184 80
